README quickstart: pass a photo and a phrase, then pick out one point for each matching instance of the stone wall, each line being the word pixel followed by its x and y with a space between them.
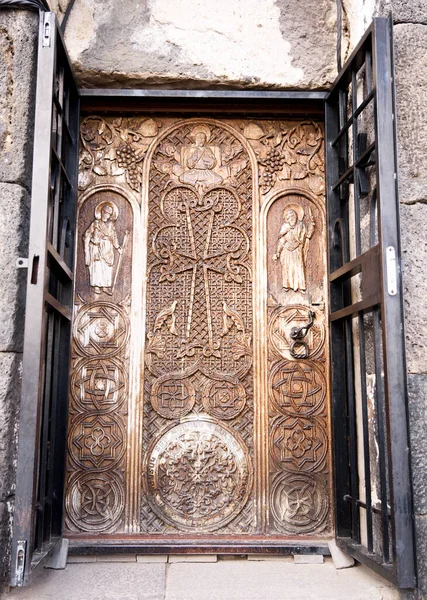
pixel 411 84
pixel 237 43
pixel 18 31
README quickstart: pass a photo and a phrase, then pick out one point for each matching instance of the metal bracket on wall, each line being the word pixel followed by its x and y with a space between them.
pixel 22 263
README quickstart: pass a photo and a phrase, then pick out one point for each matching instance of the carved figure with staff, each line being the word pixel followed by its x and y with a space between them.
pixel 100 240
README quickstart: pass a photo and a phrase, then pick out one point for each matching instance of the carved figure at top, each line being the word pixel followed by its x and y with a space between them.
pixel 200 160
pixel 100 240
pixel 292 246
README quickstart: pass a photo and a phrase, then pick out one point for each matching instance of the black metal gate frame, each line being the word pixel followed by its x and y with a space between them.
pixel 361 166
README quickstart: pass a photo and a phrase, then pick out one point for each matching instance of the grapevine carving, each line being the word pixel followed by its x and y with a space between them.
pixel 288 153
pixel 114 148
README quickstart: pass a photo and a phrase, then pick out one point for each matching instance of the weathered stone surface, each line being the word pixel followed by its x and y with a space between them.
pixel 356 16
pixel 417 388
pixel 59 7
pixel 18 36
pixel 227 42
pixel 14 217
pixel 414 11
pixel 124 581
pixel 225 580
pixel 421 592
pixel 414 254
pixel 10 374
pixel 411 86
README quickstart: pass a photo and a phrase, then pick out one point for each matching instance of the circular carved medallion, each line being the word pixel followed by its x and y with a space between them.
pixel 97 441
pixel 101 329
pixel 284 321
pixel 95 501
pixel 198 475
pixel 297 388
pixel 172 398
pixel 300 503
pixel 224 399
pixel 299 444
pixel 99 384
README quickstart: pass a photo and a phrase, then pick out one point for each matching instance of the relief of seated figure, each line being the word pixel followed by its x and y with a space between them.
pixel 200 160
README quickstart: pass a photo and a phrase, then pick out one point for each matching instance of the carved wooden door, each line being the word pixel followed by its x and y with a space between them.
pixel 199 378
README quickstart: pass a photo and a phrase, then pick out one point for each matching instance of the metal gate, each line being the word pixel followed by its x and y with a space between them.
pixel 43 411
pixel 374 516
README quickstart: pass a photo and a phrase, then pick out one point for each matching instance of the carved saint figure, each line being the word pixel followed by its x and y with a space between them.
pixel 200 160
pixel 100 240
pixel 292 246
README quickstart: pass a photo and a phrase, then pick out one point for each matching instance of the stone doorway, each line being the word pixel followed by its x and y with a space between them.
pixel 199 402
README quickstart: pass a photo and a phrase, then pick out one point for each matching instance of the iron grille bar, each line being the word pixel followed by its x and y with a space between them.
pixel 56 305
pixel 374 509
pixel 380 408
pixel 356 112
pixel 354 309
pixel 56 263
pixel 366 444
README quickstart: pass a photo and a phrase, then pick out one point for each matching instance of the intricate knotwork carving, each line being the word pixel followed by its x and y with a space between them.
pixel 299 444
pixel 95 501
pixel 99 385
pixel 97 441
pixel 297 388
pixel 101 329
pixel 172 397
pixel 199 475
pixel 224 399
pixel 300 504
pixel 198 351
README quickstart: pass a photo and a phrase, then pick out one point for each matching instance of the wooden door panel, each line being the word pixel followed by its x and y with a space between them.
pixel 199 384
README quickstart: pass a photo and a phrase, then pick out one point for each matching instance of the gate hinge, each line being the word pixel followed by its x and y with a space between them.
pixel 47 30
pixel 21 551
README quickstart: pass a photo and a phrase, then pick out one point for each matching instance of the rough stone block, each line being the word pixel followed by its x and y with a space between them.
pixel 10 374
pixel 14 223
pixel 411 88
pixel 18 51
pixel 414 11
pixel 414 256
pixel 197 44
pixel 417 388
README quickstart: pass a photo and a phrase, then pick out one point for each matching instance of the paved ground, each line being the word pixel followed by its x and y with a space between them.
pixel 223 580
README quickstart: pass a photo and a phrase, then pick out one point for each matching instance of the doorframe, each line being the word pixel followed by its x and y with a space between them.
pixel 196 103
